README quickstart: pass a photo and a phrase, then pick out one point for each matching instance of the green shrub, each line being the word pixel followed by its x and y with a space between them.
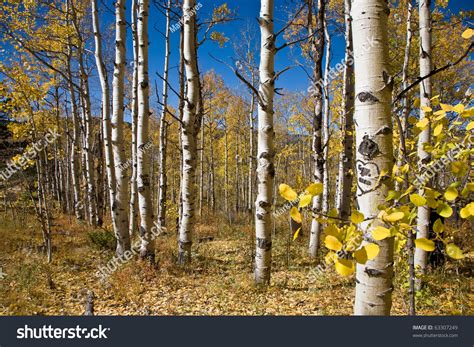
pixel 102 239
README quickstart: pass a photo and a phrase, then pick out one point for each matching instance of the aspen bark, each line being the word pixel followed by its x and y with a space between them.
pixel 423 218
pixel 251 153
pixel 265 150
pixel 325 204
pixel 374 154
pixel 189 130
pixel 143 159
pixel 133 216
pixel 318 49
pixel 402 153
pixel 163 185
pixel 87 122
pixel 122 243
pixel 344 195
pixel 120 206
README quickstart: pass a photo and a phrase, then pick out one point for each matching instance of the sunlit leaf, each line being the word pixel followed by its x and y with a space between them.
pixel 444 210
pixel 451 194
pixel 468 33
pixel 357 217
pixel 295 215
pixel 438 129
pixel 417 200
pixel 380 233
pixel 315 189
pixel 394 217
pixel 425 244
pixel 297 233
pixel 305 200
pixel 332 243
pixel 345 267
pixel 287 192
pixel 422 123
pixel 372 250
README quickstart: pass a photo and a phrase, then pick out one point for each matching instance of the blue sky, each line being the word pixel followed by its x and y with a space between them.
pixel 247 12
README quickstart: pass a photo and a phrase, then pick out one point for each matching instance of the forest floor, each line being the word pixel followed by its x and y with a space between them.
pixel 219 281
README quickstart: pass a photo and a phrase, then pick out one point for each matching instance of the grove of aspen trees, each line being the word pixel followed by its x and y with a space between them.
pixel 250 157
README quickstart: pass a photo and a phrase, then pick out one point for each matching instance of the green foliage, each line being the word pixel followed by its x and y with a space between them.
pixel 102 239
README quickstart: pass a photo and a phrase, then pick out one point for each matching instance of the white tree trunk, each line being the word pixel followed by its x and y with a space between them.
pixel 325 207
pixel 402 153
pixel 265 150
pixel 87 121
pixel 318 49
pixel 78 205
pixel 133 216
pixel 143 159
pixel 189 131
pixel 122 244
pixel 423 218
pixel 343 194
pixel 163 124
pixel 120 206
pixel 251 154
pixel 374 148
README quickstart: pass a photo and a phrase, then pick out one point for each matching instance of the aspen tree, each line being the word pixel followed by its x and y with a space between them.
pixel 423 218
pixel 374 154
pixel 265 146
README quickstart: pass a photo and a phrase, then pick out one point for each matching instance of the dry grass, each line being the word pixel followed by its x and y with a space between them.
pixel 219 282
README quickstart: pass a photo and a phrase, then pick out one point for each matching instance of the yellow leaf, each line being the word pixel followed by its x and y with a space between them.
pixel 357 217
pixel 287 193
pixel 394 217
pixel 315 189
pixel 465 213
pixel 333 230
pixel 446 107
pixel 451 194
pixel 470 126
pixel 417 200
pixel 438 129
pixel 297 233
pixel 295 215
pixel 361 256
pixel 332 243
pixel 467 34
pixel 444 210
pixel 305 200
pixel 438 226
pixel 422 123
pixel 425 244
pixel 459 108
pixel 372 250
pixel 426 109
pixel 453 251
pixel 345 267
pixel 380 233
